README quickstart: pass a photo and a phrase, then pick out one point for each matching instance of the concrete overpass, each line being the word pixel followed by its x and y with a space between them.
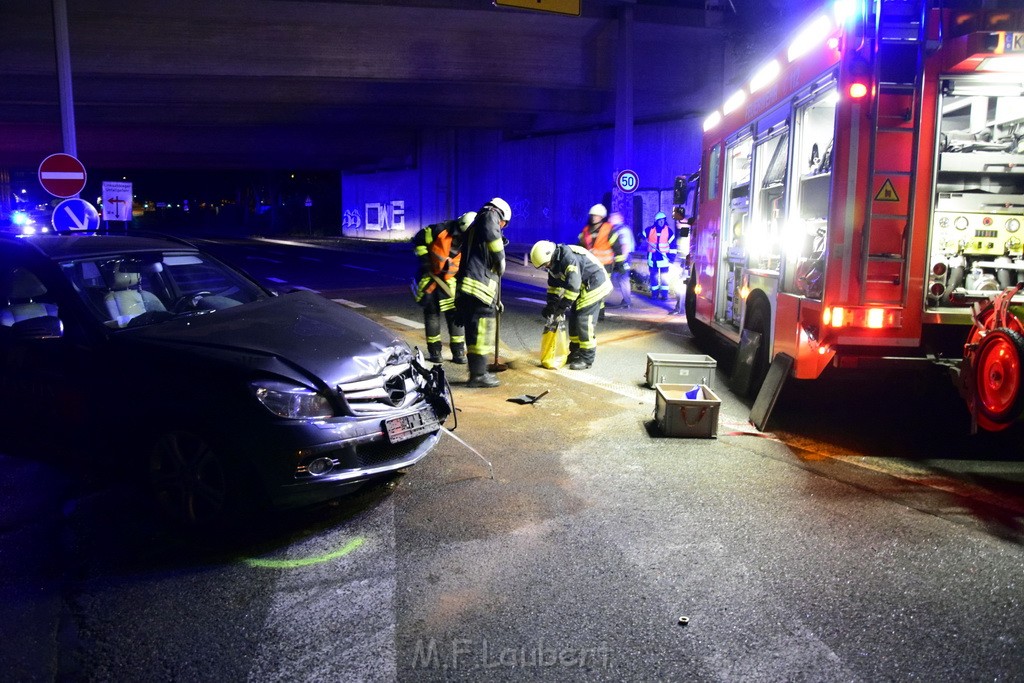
pixel 334 84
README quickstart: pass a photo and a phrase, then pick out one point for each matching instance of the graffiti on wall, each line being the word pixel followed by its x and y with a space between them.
pixel 380 216
pixel 351 220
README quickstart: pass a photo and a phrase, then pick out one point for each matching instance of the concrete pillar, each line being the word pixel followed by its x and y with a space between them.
pixel 67 97
pixel 5 191
pixel 622 155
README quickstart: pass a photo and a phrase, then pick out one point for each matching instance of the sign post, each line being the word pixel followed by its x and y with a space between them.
pixel 62 175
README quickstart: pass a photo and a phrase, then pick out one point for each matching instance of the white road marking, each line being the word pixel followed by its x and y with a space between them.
pixel 350 304
pixel 310 258
pixel 277 280
pixel 368 270
pixel 405 321
pixel 532 301
pixel 262 258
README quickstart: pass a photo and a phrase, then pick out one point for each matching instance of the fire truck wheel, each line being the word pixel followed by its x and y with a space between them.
pixel 998 366
pixel 758 320
pixel 701 332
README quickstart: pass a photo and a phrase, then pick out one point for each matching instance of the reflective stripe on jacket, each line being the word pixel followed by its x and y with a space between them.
pixel 660 245
pixel 576 277
pixel 440 254
pixel 482 250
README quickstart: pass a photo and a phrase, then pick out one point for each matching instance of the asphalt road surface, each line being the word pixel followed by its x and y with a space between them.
pixel 864 537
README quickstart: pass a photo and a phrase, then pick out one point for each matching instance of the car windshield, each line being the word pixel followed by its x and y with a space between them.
pixel 150 288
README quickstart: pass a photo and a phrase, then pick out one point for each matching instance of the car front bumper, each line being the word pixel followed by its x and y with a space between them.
pixel 346 452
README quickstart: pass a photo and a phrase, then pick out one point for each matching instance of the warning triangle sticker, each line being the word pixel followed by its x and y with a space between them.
pixel 887 193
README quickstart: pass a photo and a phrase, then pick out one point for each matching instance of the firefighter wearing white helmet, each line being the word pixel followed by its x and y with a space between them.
pixel 477 299
pixel 439 248
pixel 661 251
pixel 596 236
pixel 577 286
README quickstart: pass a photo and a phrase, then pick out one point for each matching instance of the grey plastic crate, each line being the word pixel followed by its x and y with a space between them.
pixel 675 368
pixel 677 415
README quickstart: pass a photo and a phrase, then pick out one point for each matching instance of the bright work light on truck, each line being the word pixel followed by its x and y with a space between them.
pixel 765 75
pixel 844 10
pixel 734 101
pixel 812 35
pixel 712 121
pixel 1010 64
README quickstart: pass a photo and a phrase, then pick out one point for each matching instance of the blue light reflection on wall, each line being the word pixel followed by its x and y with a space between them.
pixel 550 181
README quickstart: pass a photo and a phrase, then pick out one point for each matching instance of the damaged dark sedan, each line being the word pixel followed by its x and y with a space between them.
pixel 217 390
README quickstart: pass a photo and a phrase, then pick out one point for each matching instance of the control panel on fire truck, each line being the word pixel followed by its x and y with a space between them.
pixel 977 236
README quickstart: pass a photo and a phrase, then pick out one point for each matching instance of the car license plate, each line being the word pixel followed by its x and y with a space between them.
pixel 410 426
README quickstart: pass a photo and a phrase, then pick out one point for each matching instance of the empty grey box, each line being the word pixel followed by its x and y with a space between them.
pixel 677 415
pixel 675 368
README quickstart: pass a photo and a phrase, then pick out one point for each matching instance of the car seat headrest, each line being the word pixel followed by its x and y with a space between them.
pixel 123 280
pixel 25 285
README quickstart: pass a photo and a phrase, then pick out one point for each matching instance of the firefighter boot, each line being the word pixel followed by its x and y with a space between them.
pixel 459 354
pixel 584 359
pixel 479 377
pixel 434 352
pixel 574 353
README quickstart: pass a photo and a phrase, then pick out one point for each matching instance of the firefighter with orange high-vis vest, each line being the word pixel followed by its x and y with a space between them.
pixel 661 251
pixel 439 248
pixel 597 236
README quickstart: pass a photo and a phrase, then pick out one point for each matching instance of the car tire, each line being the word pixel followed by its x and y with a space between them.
pixel 191 483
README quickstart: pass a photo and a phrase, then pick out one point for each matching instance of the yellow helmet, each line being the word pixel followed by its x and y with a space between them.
pixel 540 254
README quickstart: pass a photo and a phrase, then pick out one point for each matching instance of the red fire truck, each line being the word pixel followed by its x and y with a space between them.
pixel 862 196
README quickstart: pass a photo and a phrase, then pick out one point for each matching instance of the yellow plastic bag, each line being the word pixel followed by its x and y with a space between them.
pixel 554 346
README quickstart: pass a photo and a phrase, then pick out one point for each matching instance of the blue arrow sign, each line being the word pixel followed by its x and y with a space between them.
pixel 75 215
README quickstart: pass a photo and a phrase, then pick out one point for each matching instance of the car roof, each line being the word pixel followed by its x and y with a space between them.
pixel 59 247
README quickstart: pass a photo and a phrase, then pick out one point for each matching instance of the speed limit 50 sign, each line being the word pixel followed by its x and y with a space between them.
pixel 627 181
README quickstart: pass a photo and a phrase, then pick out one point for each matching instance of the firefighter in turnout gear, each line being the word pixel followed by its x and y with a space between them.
pixel 577 285
pixel 596 237
pixel 622 247
pixel 661 251
pixel 477 296
pixel 439 248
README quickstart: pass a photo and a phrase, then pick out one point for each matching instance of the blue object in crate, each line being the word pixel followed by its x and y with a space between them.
pixel 693 394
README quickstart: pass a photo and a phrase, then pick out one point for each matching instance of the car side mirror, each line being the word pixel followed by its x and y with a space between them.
pixel 45 327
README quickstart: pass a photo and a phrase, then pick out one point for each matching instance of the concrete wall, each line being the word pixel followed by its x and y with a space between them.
pixel 549 181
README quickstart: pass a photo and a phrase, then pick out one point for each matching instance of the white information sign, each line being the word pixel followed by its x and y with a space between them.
pixel 117 200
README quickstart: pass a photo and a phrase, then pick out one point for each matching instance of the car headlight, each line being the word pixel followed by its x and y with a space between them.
pixel 291 400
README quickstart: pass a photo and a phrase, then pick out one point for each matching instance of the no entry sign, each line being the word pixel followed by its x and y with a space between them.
pixel 62 175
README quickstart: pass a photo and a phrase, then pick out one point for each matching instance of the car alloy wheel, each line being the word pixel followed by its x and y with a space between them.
pixel 189 480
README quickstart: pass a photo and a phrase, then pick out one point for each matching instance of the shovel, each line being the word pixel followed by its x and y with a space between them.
pixel 497 365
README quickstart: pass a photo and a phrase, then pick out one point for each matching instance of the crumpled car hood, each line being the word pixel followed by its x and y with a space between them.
pixel 302 329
